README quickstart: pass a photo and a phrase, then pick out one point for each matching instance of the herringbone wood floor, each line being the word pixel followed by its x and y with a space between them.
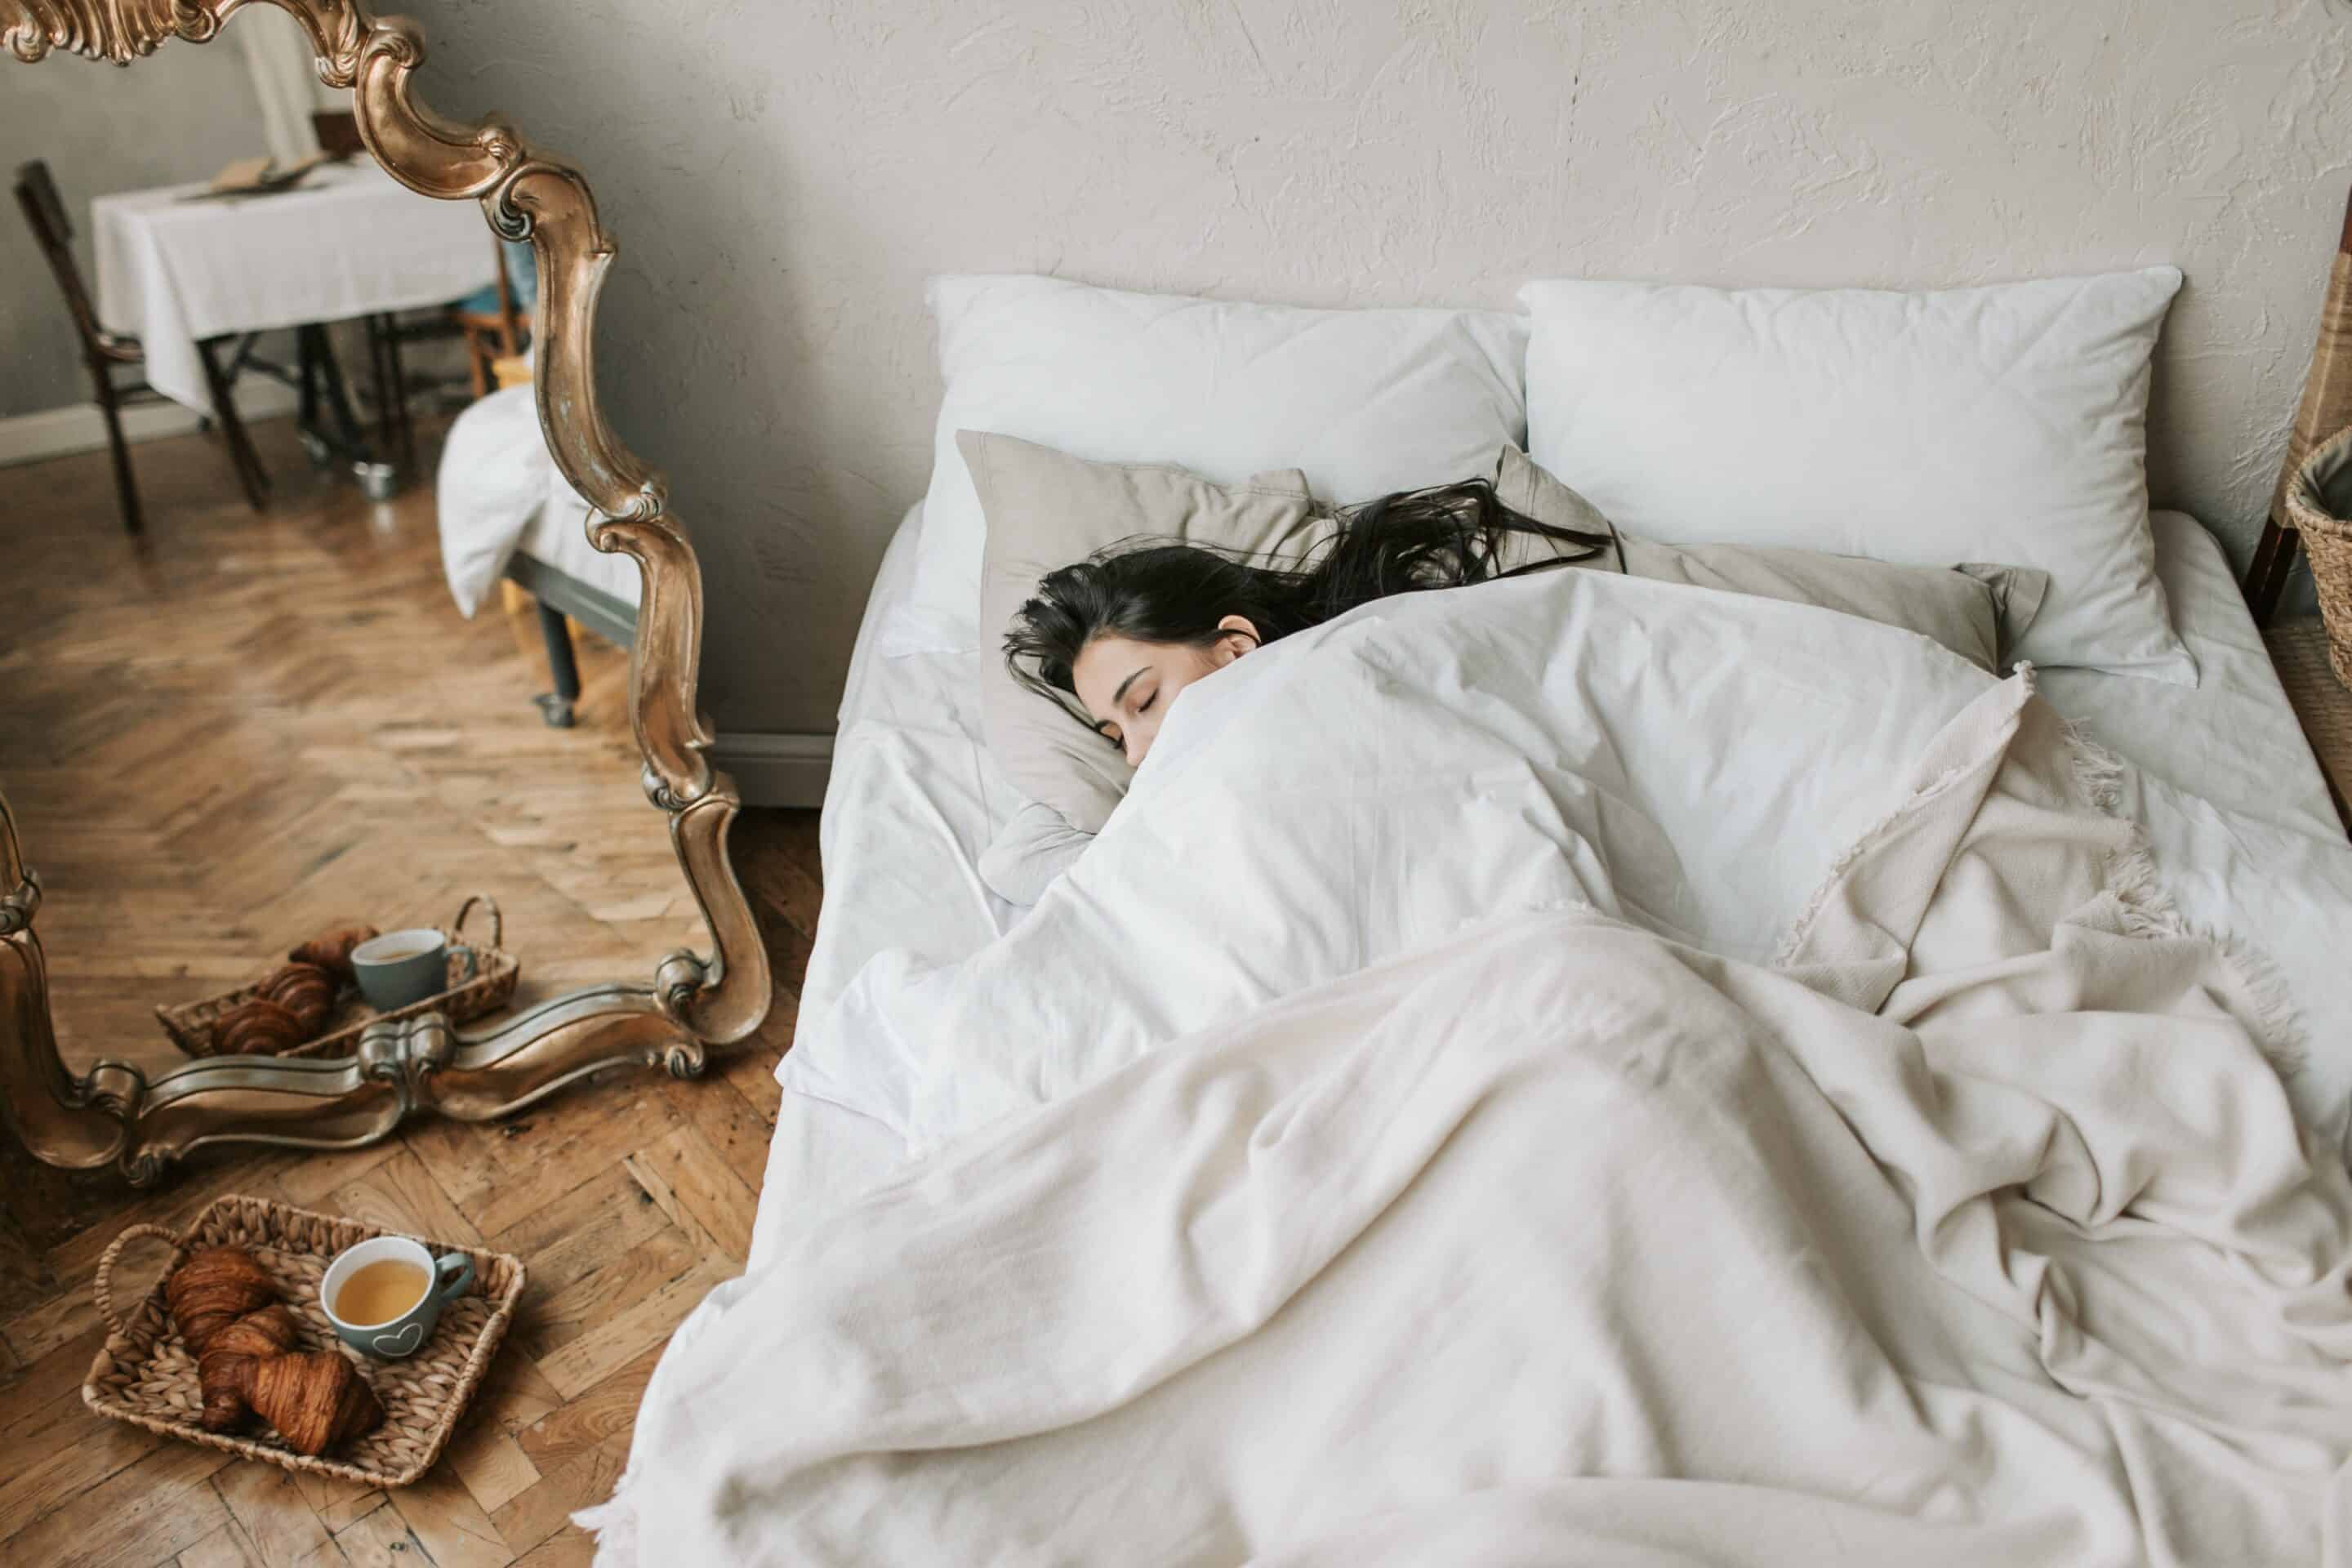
pixel 217 742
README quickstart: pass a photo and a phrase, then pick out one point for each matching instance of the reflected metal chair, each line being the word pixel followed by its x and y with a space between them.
pixel 44 212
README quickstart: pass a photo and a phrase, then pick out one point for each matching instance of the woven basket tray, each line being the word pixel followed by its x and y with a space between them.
pixel 145 1374
pixel 190 1024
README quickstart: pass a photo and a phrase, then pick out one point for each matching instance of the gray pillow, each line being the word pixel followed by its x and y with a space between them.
pixel 1044 510
pixel 1977 611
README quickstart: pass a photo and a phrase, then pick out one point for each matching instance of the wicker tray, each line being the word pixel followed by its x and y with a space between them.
pixel 145 1374
pixel 190 1024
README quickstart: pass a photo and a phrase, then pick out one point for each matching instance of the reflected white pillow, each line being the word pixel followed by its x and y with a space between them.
pixel 1363 402
pixel 1997 424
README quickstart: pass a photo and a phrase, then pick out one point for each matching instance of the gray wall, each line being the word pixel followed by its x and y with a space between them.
pixel 179 116
pixel 782 178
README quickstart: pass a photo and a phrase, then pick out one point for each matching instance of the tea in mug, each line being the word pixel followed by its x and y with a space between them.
pixel 380 1291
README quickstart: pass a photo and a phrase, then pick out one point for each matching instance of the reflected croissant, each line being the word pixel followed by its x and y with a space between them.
pixel 331 950
pixel 257 1026
pixel 227 1309
pixel 304 990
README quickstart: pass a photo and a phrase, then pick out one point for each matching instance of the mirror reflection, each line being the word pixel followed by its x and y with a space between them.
pixel 305 634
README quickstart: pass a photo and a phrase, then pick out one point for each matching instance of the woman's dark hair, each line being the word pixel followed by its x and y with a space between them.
pixel 1158 591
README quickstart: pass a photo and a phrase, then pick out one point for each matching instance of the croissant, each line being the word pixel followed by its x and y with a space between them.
pixel 304 990
pixel 315 1401
pixel 331 950
pixel 226 1368
pixel 213 1289
pixel 256 1027
pixel 227 1309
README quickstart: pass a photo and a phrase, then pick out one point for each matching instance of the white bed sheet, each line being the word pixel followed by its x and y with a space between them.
pixel 914 800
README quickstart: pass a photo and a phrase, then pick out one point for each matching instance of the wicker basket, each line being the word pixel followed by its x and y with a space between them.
pixel 495 971
pixel 2318 504
pixel 145 1374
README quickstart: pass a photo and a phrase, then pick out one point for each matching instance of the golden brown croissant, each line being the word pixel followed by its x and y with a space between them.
pixel 213 1289
pixel 227 1309
pixel 331 950
pixel 256 1027
pixel 225 1370
pixel 304 990
pixel 315 1401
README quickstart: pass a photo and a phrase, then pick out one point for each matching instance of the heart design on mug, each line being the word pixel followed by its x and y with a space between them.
pixel 401 1344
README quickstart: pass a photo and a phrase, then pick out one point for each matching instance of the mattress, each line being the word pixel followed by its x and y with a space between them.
pixel 2222 773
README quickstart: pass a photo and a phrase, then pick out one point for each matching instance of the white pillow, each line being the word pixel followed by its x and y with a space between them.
pixel 1363 402
pixel 2000 424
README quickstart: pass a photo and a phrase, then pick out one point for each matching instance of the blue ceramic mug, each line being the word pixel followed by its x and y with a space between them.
pixel 401 968
pixel 402 1294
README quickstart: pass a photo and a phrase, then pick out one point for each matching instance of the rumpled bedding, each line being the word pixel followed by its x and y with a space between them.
pixel 1980 1229
pixel 1686 759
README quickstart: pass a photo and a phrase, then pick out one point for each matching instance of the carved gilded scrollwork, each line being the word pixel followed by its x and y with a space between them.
pixel 695 1002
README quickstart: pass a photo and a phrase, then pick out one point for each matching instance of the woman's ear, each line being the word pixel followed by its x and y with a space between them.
pixel 1239 638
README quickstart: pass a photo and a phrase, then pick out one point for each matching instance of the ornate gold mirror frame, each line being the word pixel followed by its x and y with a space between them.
pixel 116 1113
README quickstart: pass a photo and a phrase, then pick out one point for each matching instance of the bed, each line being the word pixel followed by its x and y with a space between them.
pixel 1579 1067
pixel 505 511
pixel 915 800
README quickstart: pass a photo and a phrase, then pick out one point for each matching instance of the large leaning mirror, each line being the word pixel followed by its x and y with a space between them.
pixel 526 224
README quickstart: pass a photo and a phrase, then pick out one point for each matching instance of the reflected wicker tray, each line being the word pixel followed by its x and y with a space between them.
pixel 145 1374
pixel 190 1024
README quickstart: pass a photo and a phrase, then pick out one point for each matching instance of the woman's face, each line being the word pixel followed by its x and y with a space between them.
pixel 1127 686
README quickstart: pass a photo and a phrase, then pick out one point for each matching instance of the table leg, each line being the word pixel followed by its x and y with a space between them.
pixel 322 378
pixel 249 471
pixel 399 390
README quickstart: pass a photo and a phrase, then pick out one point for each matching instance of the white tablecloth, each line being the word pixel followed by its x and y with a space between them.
pixel 349 241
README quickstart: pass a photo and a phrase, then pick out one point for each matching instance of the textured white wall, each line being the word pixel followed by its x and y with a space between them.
pixel 784 177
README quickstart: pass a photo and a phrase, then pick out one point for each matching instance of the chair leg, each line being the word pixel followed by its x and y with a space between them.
pixel 556 706
pixel 126 493
pixel 247 462
pixel 477 366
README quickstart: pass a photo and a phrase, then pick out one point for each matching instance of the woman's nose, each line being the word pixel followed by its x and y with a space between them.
pixel 1136 746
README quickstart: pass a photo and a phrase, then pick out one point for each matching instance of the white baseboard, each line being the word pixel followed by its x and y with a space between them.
pixel 80 428
pixel 776 769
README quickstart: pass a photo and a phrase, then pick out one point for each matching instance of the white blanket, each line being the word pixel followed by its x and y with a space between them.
pixel 1981 1233
pixel 1688 760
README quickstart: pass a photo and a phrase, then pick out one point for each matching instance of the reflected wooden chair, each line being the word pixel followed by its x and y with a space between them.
pixel 44 212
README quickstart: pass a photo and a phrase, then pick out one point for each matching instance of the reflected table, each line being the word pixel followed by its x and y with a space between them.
pixel 181 269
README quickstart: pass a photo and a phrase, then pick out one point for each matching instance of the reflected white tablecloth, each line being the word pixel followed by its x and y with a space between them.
pixel 349 241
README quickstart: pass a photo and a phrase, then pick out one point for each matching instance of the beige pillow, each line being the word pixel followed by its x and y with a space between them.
pixel 1046 509
pixel 1976 610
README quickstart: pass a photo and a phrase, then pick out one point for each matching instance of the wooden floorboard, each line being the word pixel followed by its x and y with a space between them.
pixel 251 726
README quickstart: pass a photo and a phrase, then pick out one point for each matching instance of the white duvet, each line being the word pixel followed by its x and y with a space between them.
pixel 1688 760
pixel 1979 1230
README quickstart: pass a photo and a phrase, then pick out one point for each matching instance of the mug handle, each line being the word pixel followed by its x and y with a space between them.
pixel 454 1271
pixel 472 966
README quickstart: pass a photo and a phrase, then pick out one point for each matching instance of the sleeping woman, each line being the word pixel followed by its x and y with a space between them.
pixel 1126 631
